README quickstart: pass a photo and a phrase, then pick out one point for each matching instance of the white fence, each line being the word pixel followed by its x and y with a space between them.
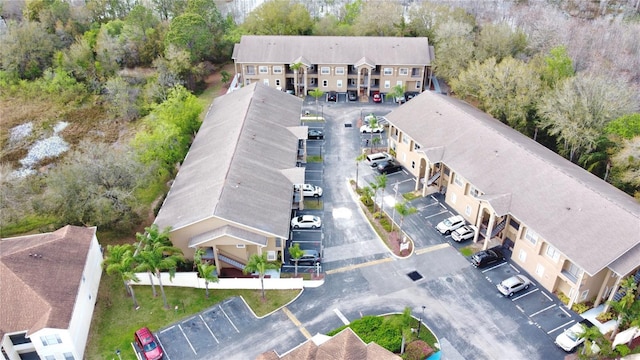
pixel 191 279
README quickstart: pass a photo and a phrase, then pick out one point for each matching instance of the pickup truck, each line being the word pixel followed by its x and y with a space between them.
pixel 309 190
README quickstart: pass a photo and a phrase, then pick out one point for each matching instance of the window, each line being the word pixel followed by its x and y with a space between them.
pixel 271 256
pixel 277 69
pixel 388 71
pixel 454 198
pixel 339 71
pixel 387 84
pixel 467 210
pixel 68 356
pixel 399 83
pixel 474 192
pixel 403 71
pixel 405 139
pixel 325 70
pixel 574 270
pixel 251 70
pixel 50 357
pixel 265 81
pixel 418 84
pixel 584 295
pixel 415 72
pixel 522 255
pixel 458 180
pixel 263 69
pixel 531 236
pixel 552 253
pixel 277 82
pixel 514 224
pixel 240 246
pixel 325 83
pixel 339 83
pixel 50 339
pixel 539 270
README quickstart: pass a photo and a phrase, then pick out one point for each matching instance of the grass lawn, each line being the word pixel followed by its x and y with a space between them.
pixel 115 320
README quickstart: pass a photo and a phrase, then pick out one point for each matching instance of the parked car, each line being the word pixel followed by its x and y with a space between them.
pixel 314 134
pixel 513 284
pixel 352 95
pixel 377 97
pixel 367 129
pixel 332 96
pixel 375 159
pixel 571 338
pixel 446 226
pixel 308 257
pixel 410 95
pixel 464 233
pixel 487 257
pixel 309 190
pixel 148 344
pixel 400 99
pixel 388 167
pixel 306 222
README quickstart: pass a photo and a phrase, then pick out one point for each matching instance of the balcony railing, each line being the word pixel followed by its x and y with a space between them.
pixel 571 277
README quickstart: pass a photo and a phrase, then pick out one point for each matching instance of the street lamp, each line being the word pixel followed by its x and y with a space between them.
pixel 420 321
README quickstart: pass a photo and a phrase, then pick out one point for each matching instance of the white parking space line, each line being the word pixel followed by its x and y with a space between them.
pixel 548 297
pixel 164 351
pixel 186 338
pixel 560 327
pixel 232 324
pixel 440 213
pixel 543 310
pixel 167 329
pixel 494 267
pixel 523 295
pixel 208 328
pixel 426 206
pixel 564 311
pixel 514 268
pixel 444 207
pixel 341 316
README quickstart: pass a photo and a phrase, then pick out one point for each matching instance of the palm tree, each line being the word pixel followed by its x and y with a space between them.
pixel 258 263
pixel 205 270
pixel 625 308
pixel 403 209
pixel 120 260
pixel 296 253
pixel 296 71
pixel 397 92
pixel 316 93
pixel 373 123
pixel 152 235
pixel 359 159
pixel 367 194
pixel 375 142
pixel 159 257
pixel 381 183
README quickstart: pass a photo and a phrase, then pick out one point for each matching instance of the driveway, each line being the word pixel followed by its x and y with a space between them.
pixel 462 307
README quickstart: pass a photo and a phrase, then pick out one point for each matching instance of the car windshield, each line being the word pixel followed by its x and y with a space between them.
pixel 572 335
pixel 150 346
pixel 447 222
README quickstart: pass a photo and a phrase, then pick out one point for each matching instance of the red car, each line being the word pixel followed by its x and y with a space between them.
pixel 377 97
pixel 148 344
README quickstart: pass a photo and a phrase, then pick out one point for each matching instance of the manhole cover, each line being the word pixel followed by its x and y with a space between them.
pixel 347 125
pixel 414 275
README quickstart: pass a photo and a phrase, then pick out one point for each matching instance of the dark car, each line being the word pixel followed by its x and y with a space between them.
pixel 352 96
pixel 315 134
pixel 332 96
pixel 410 95
pixel 487 257
pixel 377 97
pixel 388 167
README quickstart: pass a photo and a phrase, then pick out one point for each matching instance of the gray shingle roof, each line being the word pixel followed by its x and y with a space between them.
pixel 40 276
pixel 234 169
pixel 332 50
pixel 587 219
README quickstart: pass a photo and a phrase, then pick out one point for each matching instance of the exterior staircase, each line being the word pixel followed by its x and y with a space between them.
pixel 231 261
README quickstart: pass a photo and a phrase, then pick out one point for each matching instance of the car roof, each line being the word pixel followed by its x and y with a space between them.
pixel 516 279
pixel 145 335
pixel 309 252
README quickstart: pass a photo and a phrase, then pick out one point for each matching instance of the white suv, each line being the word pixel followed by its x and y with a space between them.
pixel 446 226
pixel 377 158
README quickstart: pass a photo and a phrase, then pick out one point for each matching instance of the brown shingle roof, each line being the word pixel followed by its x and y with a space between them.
pixel 345 345
pixel 40 276
pixel 332 50
pixel 591 222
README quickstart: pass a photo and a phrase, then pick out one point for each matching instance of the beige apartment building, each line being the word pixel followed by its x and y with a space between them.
pixel 571 231
pixel 300 64
pixel 233 194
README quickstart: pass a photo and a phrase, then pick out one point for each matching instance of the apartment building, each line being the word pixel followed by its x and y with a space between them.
pixel 573 232
pixel 300 64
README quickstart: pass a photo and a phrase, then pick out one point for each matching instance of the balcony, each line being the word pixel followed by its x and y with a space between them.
pixel 569 276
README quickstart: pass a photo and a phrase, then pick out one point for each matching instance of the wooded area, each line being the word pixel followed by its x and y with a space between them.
pixel 121 80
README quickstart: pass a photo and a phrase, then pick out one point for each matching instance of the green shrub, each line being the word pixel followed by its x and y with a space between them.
pixel 605 316
pixel 564 298
pixel 580 307
pixel 385 223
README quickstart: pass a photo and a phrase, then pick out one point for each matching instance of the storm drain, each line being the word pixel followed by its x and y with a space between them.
pixel 347 125
pixel 414 275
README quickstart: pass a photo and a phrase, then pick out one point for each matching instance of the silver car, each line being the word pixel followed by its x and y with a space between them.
pixel 512 285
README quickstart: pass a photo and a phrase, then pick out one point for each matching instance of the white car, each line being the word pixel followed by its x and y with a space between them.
pixel 464 233
pixel 377 158
pixel 309 190
pixel 446 226
pixel 366 129
pixel 513 284
pixel 306 222
pixel 570 339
